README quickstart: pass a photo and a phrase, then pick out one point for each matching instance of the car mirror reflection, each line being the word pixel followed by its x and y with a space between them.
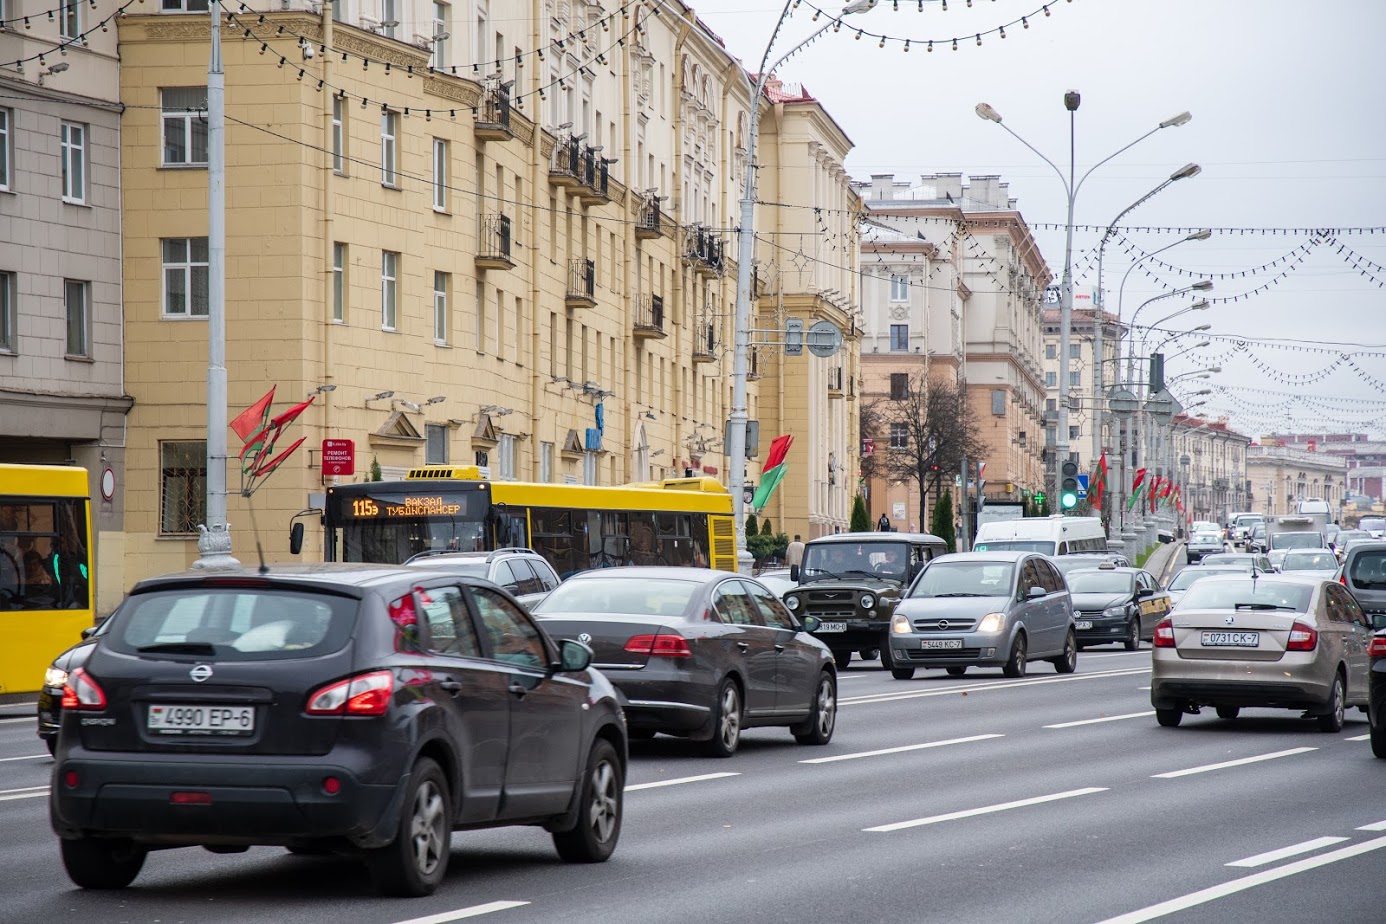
pixel 573 656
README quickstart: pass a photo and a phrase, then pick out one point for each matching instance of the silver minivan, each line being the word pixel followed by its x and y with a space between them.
pixel 984 609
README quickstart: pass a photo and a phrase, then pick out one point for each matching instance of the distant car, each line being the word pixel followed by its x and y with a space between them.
pixel 1203 543
pixel 1279 641
pixel 1187 577
pixel 778 580
pixel 1321 562
pixel 1116 605
pixel 1241 526
pixel 1084 560
pixel 1244 560
pixel 523 572
pixel 1364 574
pixel 1347 538
pixel 1256 538
pixel 50 697
pixel 699 654
pixel 1374 525
pixel 360 708
pixel 985 609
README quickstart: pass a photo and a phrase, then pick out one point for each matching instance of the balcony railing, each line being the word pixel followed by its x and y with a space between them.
pixel 649 318
pixel 705 343
pixel 493 114
pixel 493 248
pixel 565 169
pixel 648 223
pixel 835 382
pixel 703 251
pixel 596 187
pixel 582 284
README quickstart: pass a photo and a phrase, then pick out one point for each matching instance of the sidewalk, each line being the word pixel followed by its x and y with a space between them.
pixel 1163 560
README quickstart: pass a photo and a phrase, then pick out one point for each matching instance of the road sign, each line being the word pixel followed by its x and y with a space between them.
pixel 1122 402
pixel 794 337
pixel 338 457
pixel 824 339
pixel 1082 486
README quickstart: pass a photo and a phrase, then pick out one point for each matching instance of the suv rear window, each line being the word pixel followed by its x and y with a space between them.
pixel 1368 570
pixel 234 624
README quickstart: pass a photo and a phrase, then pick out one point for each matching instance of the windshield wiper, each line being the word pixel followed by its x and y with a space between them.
pixel 870 574
pixel 192 648
pixel 958 594
pixel 821 573
pixel 1264 606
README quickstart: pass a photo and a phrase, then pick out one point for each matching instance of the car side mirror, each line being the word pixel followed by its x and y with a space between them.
pixel 794 573
pixel 1378 620
pixel 809 623
pixel 573 656
pixel 1035 592
pixel 1143 592
pixel 89 631
pixel 295 538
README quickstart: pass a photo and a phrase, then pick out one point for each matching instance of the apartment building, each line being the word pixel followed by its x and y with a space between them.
pixel 1082 375
pixel 1282 476
pixel 1211 464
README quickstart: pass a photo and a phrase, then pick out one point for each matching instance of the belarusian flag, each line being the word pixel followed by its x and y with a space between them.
pixel 774 471
pixel 254 418
pixel 1099 482
pixel 1136 488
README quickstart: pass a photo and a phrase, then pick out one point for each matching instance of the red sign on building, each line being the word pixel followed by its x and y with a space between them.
pixel 338 457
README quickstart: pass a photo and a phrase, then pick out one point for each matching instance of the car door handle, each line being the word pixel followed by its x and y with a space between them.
pixel 451 686
pixel 779 648
pixel 518 690
pixel 743 645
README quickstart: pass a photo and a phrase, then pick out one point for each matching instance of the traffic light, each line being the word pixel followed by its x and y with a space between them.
pixel 1068 486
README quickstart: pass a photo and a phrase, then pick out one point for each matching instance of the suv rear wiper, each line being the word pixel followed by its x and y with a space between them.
pixel 1264 606
pixel 192 648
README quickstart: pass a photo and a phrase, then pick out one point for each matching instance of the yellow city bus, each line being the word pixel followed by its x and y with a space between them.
pixel 681 521
pixel 46 569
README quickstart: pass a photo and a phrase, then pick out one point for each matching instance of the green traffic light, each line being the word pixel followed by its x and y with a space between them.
pixel 1068 500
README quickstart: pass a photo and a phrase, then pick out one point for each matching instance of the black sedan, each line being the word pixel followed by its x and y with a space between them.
pixel 1116 605
pixel 699 654
pixel 362 709
pixel 50 698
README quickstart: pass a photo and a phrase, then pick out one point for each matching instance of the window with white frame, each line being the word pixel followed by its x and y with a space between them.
pixel 441 14
pixel 1075 378
pixel 182 487
pixel 436 444
pixel 1051 380
pixel 899 287
pixel 389 128
pixel 899 436
pixel 389 295
pixel 77 303
pixel 6 119
pixel 74 157
pixel 442 284
pixel 440 175
pixel 184 6
pixel 339 117
pixel 1075 351
pixel 70 19
pixel 7 321
pixel 339 281
pixel 899 338
pixel 1051 351
pixel 185 277
pixel 184 126
pixel 505 457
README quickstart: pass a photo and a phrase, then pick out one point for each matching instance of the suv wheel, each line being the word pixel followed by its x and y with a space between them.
pixel 594 837
pixel 1169 718
pixel 102 863
pixel 415 863
pixel 822 718
pixel 1015 664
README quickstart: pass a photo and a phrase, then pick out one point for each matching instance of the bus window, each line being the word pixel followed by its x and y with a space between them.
pixel 44 556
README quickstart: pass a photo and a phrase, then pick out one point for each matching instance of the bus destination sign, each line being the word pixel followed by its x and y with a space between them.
pixel 405 505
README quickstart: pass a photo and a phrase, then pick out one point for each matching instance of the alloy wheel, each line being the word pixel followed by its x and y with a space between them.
pixel 827 707
pixel 730 727
pixel 428 828
pixel 605 810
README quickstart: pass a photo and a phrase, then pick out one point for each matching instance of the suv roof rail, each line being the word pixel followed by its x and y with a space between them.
pixel 509 550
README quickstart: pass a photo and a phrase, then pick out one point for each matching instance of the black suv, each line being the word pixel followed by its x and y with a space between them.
pixel 523 572
pixel 851 583
pixel 333 708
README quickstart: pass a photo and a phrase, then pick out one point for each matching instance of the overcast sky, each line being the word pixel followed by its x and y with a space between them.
pixel 1287 125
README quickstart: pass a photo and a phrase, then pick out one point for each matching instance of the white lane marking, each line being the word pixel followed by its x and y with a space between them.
pixel 1374 826
pixel 899 750
pixel 33 719
pixel 870 698
pixel 1193 899
pixel 1142 688
pixel 1231 763
pixel 1105 718
pixel 461 913
pixel 26 757
pixel 1358 738
pixel 28 792
pixel 986 810
pixel 683 779
pixel 1294 850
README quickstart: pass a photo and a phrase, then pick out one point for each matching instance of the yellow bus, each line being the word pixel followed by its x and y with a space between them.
pixel 46 569
pixel 682 521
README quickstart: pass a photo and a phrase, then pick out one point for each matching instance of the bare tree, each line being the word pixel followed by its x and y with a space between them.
pixel 928 430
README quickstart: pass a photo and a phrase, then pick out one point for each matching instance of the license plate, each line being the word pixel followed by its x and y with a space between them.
pixel 940 643
pixel 832 627
pixel 1083 624
pixel 201 720
pixel 1231 639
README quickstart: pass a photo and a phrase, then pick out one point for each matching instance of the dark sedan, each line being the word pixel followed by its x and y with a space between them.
pixel 699 654
pixel 1116 605
pixel 50 698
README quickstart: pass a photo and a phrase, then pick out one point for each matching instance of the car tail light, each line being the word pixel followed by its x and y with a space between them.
pixel 71 779
pixel 331 785
pixel 1342 579
pixel 190 798
pixel 1164 634
pixel 364 694
pixel 660 646
pixel 1377 649
pixel 82 692
pixel 1302 638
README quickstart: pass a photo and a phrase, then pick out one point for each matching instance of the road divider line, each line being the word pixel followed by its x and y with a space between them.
pixel 1374 826
pixel 1359 738
pixel 31 719
pixel 1284 853
pixel 25 757
pixel 986 810
pixel 28 792
pixel 462 913
pixel 869 698
pixel 1230 763
pixel 1105 718
pixel 1203 896
pixel 900 750
pixel 683 779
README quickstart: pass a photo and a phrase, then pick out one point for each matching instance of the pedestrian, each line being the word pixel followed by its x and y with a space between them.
pixel 883 524
pixel 794 553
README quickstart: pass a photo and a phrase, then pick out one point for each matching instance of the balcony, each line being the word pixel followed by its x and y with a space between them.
pixel 648 225
pixel 835 382
pixel 705 343
pixel 582 284
pixel 565 168
pixel 493 247
pixel 493 114
pixel 703 251
pixel 596 179
pixel 649 318
pixel 753 372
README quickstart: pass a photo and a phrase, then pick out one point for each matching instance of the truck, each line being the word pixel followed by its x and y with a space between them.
pixel 1295 531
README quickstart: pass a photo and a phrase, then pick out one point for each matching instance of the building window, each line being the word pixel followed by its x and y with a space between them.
pixel 1051 380
pixel 1051 436
pixel 339 116
pixel 1075 351
pixel 899 287
pixel 442 283
pixel 1073 433
pixel 483 461
pixel 6 116
pixel 74 156
pixel 545 463
pixel 77 301
pixel 182 487
pixel 440 175
pixel 505 457
pixel 1075 379
pixel 185 277
pixel 389 274
pixel 1051 351
pixel 7 299
pixel 899 436
pixel 1051 404
pixel 339 281
pixel 70 19
pixel 899 386
pixel 436 444
pixel 184 126
pixel 184 6
pixel 899 338
pixel 389 127
pixel 440 35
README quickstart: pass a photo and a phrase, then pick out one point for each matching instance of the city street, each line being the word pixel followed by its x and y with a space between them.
pixel 1046 798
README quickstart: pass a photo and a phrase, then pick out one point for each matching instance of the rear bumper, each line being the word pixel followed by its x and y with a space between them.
pixel 1293 682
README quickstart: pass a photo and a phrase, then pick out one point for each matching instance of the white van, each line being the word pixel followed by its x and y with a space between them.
pixel 1053 535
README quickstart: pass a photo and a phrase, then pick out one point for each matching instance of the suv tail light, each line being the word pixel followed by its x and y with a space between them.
pixel 364 694
pixel 1377 648
pixel 1302 638
pixel 660 646
pixel 82 692
pixel 1164 633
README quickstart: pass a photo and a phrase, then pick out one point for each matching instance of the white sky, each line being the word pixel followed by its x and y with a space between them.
pixel 1286 100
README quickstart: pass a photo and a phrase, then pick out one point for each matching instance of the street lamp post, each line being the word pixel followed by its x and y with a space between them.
pixel 1071 102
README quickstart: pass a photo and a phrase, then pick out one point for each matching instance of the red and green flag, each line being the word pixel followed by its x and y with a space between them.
pixel 1137 488
pixel 254 418
pixel 259 432
pixel 774 470
pixel 1099 483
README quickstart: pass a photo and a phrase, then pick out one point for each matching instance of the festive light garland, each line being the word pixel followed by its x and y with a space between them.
pixel 927 44
pixel 1144 257
pixel 49 13
pixel 80 39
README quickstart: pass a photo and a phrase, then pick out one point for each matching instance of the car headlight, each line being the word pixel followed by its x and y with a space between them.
pixel 867 601
pixel 900 624
pixel 992 622
pixel 1118 610
pixel 792 602
pixel 54 677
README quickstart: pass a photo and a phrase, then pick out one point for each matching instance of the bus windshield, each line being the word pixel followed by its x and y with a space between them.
pixel 392 523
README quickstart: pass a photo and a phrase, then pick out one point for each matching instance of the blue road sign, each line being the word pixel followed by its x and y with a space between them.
pixel 1082 486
